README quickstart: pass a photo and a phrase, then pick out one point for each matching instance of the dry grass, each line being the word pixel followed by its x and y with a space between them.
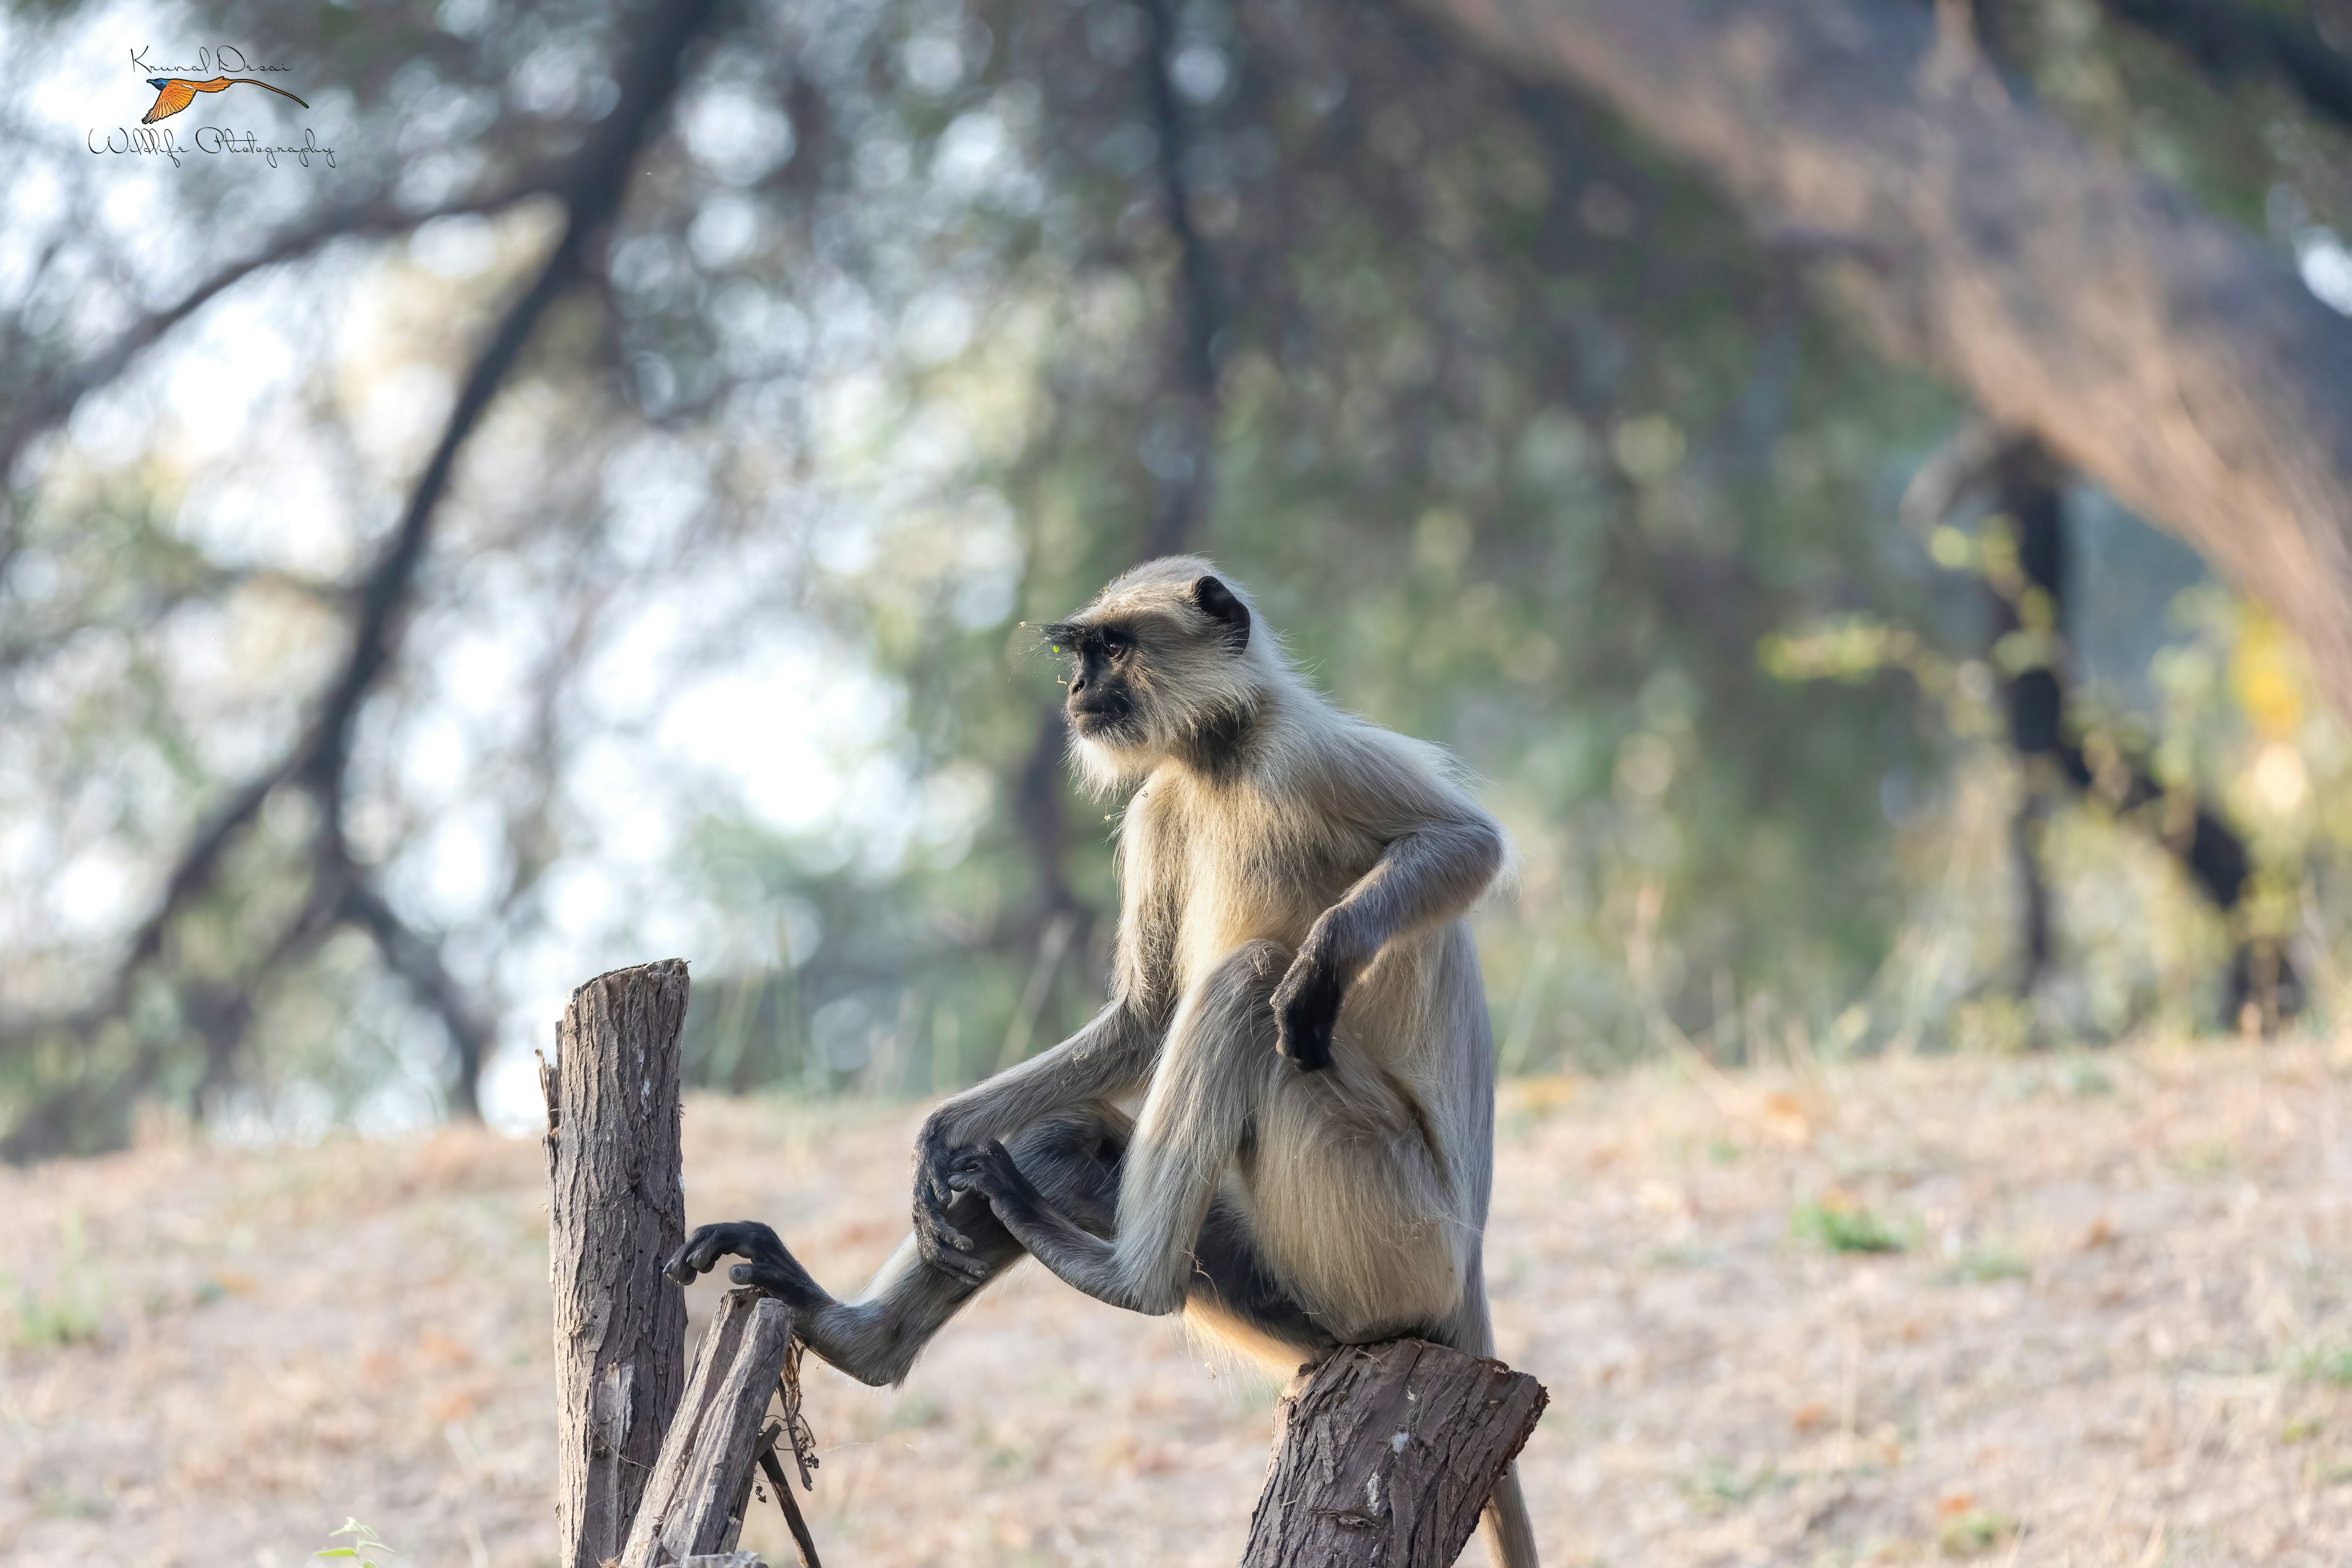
pixel 2113 1328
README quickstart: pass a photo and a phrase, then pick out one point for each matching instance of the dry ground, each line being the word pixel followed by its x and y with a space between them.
pixel 2118 1332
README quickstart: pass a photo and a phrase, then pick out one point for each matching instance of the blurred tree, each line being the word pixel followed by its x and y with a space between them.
pixel 495 568
pixel 2169 357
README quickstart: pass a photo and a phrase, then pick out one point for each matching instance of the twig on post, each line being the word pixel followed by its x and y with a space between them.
pixel 774 1469
pixel 701 1483
pixel 1387 1454
pixel 616 1207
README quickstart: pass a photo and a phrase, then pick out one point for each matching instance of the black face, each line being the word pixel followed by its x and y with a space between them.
pixel 1101 701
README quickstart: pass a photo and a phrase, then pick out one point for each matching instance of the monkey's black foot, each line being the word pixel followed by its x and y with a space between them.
pixel 943 1242
pixel 942 1245
pixel 772 1267
pixel 1305 1010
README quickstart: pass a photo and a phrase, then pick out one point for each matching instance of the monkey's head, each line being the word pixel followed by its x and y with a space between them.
pixel 1163 663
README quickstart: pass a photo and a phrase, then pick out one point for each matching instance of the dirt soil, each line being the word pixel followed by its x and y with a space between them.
pixel 2114 1327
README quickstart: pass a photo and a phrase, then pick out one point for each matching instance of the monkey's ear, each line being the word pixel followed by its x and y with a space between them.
pixel 1216 601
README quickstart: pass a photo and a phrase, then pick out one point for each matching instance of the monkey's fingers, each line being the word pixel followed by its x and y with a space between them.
pixel 1303 1041
pixel 937 1186
pixel 1305 1010
pixel 959 1265
pixel 773 1277
pixel 781 1277
pixel 703 1249
pixel 933 1228
pixel 935 1152
pixel 972 1172
pixel 988 1170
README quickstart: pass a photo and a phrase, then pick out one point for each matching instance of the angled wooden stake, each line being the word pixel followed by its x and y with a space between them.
pixel 701 1483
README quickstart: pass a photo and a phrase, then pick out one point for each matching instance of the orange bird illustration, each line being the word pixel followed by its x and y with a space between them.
pixel 175 93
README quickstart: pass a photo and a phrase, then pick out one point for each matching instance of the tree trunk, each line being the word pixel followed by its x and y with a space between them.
pixel 1387 1455
pixel 701 1483
pixel 616 1208
pixel 2157 348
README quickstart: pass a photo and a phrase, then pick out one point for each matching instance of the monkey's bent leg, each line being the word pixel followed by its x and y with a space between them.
pixel 1074 1156
pixel 1213 1070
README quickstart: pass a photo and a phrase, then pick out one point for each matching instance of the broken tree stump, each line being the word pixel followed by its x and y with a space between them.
pixel 1387 1454
pixel 616 1208
pixel 700 1489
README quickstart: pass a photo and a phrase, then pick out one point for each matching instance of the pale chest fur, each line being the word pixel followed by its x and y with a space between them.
pixel 1204 869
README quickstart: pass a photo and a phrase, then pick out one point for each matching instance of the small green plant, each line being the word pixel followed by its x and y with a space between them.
pixel 2204 1162
pixel 70 1313
pixel 2086 1080
pixel 1721 1486
pixel 363 1542
pixel 2329 1363
pixel 1973 1533
pixel 1988 1263
pixel 1845 1227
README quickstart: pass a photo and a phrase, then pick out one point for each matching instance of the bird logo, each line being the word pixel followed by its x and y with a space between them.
pixel 175 93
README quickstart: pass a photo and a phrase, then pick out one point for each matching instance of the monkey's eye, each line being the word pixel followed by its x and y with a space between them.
pixel 1116 643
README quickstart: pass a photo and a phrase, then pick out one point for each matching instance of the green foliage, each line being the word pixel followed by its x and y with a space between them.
pixel 1722 1486
pixel 68 1307
pixel 1987 1265
pixel 364 1544
pixel 1842 1226
pixel 2327 1361
pixel 1973 1532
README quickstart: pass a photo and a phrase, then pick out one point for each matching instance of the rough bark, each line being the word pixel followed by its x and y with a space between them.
pixel 1387 1454
pixel 2154 347
pixel 616 1207
pixel 701 1483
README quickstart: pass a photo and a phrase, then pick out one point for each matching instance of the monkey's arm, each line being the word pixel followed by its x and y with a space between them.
pixel 1199 1110
pixel 1142 1273
pixel 1110 1057
pixel 1427 874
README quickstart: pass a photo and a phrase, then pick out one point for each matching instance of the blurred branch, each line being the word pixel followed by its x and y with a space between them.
pixel 416 959
pixel 592 190
pixel 2154 347
pixel 212 584
pixel 2223 39
pixel 52 397
pixel 1182 472
pixel 1182 499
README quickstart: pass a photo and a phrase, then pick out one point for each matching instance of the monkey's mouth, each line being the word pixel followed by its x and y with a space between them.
pixel 1107 720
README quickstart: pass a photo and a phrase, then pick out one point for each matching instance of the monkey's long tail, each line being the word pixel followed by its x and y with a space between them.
pixel 1504 1525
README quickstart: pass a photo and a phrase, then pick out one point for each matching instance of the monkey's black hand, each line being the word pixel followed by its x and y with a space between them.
pixel 937 1238
pixel 1305 1008
pixel 989 1171
pixel 772 1268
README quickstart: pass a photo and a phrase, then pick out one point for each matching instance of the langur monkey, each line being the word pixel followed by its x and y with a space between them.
pixel 1296 1001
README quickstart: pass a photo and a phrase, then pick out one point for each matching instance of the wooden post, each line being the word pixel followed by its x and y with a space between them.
pixel 1387 1454
pixel 701 1484
pixel 616 1208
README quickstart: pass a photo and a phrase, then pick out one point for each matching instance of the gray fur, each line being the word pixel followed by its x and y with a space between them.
pixel 1295 1000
